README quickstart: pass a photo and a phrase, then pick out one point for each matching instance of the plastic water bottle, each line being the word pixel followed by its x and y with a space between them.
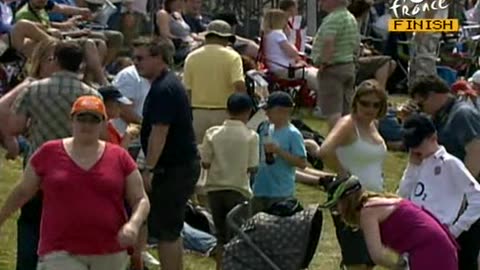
pixel 269 156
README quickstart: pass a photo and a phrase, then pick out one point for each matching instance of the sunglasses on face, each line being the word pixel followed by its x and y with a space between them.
pixel 370 104
pixel 88 118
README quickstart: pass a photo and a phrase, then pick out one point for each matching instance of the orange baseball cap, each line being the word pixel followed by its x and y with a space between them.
pixel 89 104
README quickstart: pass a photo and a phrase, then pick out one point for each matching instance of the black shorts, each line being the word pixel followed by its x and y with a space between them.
pixel 221 203
pixel 352 244
pixel 469 242
pixel 171 189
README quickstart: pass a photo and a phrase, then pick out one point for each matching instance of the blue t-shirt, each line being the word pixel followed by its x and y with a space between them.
pixel 278 179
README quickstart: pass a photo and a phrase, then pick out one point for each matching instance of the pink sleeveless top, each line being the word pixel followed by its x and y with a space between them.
pixel 414 231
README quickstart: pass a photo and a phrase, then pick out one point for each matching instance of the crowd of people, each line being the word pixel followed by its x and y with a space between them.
pixel 115 145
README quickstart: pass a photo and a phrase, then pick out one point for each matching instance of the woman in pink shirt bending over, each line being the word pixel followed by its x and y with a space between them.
pixel 84 182
pixel 399 234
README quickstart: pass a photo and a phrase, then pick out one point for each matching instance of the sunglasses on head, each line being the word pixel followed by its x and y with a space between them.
pixel 88 118
pixel 370 104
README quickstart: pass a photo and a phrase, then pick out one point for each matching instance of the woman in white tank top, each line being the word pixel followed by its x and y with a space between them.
pixel 354 146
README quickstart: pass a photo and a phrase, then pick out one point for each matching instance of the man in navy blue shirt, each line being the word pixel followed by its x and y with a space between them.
pixel 172 164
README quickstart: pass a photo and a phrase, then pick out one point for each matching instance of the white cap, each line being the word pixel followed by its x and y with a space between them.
pixel 475 77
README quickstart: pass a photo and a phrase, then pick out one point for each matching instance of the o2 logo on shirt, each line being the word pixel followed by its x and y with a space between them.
pixel 419 191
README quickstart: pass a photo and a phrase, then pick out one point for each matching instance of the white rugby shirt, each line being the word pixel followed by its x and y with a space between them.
pixel 440 184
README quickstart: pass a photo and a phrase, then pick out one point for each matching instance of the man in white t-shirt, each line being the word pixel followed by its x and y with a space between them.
pixel 440 182
pixel 135 88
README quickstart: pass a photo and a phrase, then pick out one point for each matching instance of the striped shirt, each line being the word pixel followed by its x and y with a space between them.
pixel 47 103
pixel 342 25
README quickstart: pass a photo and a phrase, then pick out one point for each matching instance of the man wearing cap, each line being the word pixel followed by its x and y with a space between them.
pixel 457 122
pixel 172 164
pixel 439 182
pixel 198 23
pixel 46 104
pixel 212 73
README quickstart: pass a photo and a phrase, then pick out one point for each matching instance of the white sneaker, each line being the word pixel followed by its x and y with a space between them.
pixel 149 260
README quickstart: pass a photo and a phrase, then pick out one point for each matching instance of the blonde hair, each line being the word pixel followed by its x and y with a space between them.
pixel 353 204
pixel 274 19
pixel 368 87
pixel 38 56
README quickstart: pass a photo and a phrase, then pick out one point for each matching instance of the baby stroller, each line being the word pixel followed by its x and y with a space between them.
pixel 276 242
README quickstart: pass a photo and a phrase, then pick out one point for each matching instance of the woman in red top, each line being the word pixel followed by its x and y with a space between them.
pixel 85 182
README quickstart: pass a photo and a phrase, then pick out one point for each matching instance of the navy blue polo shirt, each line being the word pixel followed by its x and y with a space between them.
pixel 457 123
pixel 167 103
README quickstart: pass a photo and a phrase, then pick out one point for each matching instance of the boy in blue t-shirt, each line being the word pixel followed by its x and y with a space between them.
pixel 282 143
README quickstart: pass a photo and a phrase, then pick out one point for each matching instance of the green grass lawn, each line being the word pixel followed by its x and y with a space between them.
pixel 327 257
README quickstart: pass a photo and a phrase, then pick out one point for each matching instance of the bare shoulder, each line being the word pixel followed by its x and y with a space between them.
pixel 380 208
pixel 345 124
pixel 344 129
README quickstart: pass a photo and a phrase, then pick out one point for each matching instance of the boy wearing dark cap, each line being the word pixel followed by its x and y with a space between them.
pixel 282 149
pixel 439 182
pixel 114 100
pixel 229 154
